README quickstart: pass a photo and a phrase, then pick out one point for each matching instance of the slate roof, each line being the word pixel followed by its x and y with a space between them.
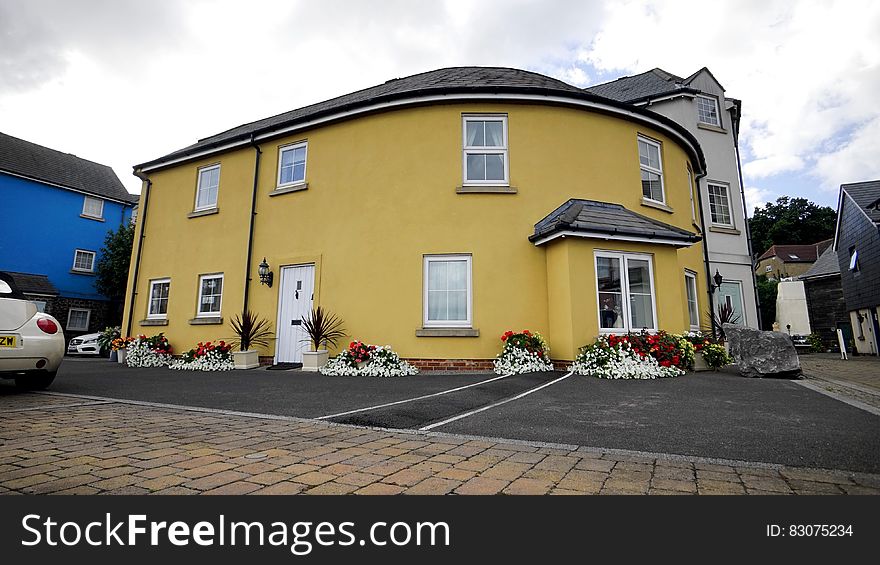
pixel 825 265
pixel 33 284
pixel 644 86
pixel 797 253
pixel 40 163
pixel 867 196
pixel 591 216
pixel 453 80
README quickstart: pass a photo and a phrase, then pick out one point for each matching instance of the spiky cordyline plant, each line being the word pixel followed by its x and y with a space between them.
pixel 322 327
pixel 250 330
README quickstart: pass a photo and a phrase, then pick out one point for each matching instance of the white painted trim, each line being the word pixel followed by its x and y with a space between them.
pixel 440 98
pixel 199 313
pixel 100 214
pixel 154 282
pixel 88 312
pixel 503 150
pixel 714 101
pixel 726 187
pixel 79 270
pixel 199 171
pixel 650 169
pixel 690 277
pixel 71 189
pixel 426 260
pixel 613 237
pixel 291 147
pixel 648 103
pixel 623 258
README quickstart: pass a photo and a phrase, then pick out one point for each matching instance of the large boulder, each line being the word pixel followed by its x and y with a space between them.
pixel 762 354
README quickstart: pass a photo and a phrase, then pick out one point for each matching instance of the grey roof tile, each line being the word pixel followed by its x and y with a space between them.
pixel 33 284
pixel 824 266
pixel 40 163
pixel 457 80
pixel 867 196
pixel 636 88
pixel 591 216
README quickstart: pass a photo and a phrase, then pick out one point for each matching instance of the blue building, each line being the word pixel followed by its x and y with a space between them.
pixel 55 211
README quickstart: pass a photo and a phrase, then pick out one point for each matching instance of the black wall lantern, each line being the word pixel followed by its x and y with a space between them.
pixel 266 275
pixel 718 280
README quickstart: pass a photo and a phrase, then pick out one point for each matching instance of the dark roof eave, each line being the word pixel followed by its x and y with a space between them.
pixel 482 89
pixel 613 232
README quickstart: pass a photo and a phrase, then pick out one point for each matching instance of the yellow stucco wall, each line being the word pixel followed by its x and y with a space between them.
pixel 382 194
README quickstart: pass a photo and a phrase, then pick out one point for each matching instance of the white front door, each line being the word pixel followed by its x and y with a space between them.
pixel 294 302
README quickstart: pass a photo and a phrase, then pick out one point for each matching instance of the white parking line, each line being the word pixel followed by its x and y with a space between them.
pixel 411 399
pixel 493 405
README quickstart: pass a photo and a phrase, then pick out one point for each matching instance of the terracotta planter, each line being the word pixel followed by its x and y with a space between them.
pixel 249 359
pixel 314 360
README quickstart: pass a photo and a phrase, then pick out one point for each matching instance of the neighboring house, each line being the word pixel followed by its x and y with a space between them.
pixel 825 303
pixel 699 104
pixel 432 213
pixel 857 243
pixel 789 261
pixel 57 209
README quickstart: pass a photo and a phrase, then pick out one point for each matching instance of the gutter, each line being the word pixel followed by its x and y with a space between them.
pixel 250 243
pixel 137 257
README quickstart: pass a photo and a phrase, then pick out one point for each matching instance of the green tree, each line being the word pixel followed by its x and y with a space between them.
pixel 790 221
pixel 112 268
pixel 767 296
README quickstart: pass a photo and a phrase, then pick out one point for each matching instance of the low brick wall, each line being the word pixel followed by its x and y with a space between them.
pixel 451 364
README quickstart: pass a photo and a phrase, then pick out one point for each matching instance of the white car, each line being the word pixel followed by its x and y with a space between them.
pixel 84 345
pixel 31 343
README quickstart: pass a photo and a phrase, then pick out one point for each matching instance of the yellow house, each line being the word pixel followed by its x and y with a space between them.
pixel 431 213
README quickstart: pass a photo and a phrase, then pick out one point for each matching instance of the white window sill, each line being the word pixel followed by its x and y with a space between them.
pixel 204 212
pixel 657 205
pixel 289 188
pixel 206 320
pixel 154 322
pixel 95 218
pixel 447 332
pixel 725 229
pixel 485 189
pixel 711 127
pixel 79 272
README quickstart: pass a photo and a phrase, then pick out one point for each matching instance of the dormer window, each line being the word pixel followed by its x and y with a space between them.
pixel 707 111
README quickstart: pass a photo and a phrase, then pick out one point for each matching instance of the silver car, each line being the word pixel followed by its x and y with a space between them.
pixel 84 345
pixel 31 343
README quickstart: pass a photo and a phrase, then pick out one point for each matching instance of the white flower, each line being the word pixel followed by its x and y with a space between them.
pixel 515 361
pixel 383 362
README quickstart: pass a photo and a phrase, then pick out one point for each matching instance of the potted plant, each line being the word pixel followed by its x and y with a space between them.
pixel 250 330
pixel 322 328
pixel 105 340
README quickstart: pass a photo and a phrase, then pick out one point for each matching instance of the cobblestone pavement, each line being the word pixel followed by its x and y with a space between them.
pixel 53 444
pixel 857 378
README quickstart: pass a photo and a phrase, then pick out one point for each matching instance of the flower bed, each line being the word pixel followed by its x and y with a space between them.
pixel 149 351
pixel 364 360
pixel 714 354
pixel 208 356
pixel 523 352
pixel 635 356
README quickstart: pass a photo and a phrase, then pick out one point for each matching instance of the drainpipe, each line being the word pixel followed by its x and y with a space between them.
pixel 709 290
pixel 137 256
pixel 247 268
pixel 742 193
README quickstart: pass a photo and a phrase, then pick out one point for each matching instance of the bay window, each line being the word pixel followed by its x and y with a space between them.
pixel 625 292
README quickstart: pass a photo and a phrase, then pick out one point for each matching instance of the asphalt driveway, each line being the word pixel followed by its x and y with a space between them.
pixel 713 415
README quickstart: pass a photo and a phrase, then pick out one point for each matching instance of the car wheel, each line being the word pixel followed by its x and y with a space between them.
pixel 35 382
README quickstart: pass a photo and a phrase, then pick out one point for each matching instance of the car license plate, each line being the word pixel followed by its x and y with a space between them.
pixel 7 341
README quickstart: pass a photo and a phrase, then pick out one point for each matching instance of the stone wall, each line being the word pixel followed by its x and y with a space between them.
pixel 60 306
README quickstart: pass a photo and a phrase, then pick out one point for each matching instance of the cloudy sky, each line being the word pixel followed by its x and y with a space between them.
pixel 123 81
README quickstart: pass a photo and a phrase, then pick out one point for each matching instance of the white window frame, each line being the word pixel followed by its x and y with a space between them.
pixel 484 150
pixel 86 213
pixel 690 281
pixel 199 171
pixel 427 260
pixel 199 313
pixel 87 252
pixel 714 101
pixel 726 187
pixel 153 283
pixel 624 287
pixel 292 147
pixel 78 328
pixel 651 169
